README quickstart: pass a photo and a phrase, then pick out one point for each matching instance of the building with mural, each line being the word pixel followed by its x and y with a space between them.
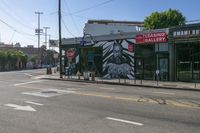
pixel 150 55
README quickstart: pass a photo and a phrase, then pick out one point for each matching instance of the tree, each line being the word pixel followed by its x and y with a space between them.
pixel 164 19
pixel 49 57
pixel 3 60
pixel 13 59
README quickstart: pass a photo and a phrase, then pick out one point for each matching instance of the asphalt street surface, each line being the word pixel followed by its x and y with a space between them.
pixel 32 105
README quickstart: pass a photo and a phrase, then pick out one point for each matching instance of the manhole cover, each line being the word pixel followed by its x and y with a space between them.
pixel 49 92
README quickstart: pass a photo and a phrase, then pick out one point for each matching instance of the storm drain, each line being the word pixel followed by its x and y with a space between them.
pixel 48 92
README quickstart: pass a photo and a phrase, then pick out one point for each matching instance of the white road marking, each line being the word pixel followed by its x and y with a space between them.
pixel 166 93
pixel 18 84
pixel 34 103
pixel 124 121
pixel 48 93
pixel 28 74
pixel 22 108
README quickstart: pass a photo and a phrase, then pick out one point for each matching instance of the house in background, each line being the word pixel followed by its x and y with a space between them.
pixel 36 56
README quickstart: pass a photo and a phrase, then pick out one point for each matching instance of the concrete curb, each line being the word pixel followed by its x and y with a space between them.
pixel 124 84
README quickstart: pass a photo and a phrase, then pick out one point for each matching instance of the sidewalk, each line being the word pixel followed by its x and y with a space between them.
pixel 127 82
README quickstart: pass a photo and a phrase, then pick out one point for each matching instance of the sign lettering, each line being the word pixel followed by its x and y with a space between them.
pixel 151 38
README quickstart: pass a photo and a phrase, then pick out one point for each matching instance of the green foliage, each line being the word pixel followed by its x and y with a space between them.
pixel 49 58
pixel 9 59
pixel 164 19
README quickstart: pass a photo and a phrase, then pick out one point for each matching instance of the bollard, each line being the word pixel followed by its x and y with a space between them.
pixel 49 71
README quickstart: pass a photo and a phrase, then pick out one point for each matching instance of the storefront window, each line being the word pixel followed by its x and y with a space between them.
pixel 161 47
pixel 197 32
pixel 188 62
pixel 193 32
pixel 186 32
pixel 174 34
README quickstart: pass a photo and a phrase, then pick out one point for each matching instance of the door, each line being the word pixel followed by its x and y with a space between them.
pixel 139 70
pixel 196 68
pixel 163 65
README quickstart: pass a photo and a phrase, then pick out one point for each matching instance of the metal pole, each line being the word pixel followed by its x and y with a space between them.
pixel 60 37
pixel 157 64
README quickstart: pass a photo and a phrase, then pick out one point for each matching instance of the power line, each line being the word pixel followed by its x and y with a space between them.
pixel 84 9
pixel 15 17
pixel 67 28
pixel 80 16
pixel 15 30
pixel 94 6
pixel 193 21
pixel 12 37
pixel 72 17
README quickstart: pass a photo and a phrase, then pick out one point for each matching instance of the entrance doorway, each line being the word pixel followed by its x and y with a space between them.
pixel 163 68
pixel 139 68
pixel 91 59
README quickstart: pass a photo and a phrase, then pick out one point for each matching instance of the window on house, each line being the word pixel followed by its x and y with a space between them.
pixel 197 32
pixel 193 32
pixel 174 34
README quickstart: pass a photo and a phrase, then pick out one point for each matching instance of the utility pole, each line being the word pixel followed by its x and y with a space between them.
pixel 46 28
pixel 49 39
pixel 60 37
pixel 38 30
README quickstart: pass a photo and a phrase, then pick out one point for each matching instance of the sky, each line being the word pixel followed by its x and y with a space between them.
pixel 18 20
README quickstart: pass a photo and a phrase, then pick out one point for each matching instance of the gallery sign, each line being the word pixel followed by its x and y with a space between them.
pixel 154 37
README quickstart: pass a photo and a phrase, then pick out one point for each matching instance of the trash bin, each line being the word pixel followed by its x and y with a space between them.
pixel 79 75
pixel 93 76
pixel 49 71
pixel 86 75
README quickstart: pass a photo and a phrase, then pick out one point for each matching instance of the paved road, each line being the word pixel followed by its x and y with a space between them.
pixel 29 105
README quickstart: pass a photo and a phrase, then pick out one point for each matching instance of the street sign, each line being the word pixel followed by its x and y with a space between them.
pixel 53 43
pixel 38 31
pixel 55 55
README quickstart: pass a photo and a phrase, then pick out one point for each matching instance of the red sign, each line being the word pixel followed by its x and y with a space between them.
pixel 130 48
pixel 151 38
